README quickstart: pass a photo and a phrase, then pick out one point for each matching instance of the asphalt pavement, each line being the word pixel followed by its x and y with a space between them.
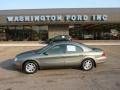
pixel 105 76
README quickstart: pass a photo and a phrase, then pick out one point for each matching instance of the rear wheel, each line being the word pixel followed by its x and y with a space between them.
pixel 87 64
pixel 30 67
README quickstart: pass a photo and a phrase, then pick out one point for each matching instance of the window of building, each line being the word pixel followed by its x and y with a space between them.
pixel 40 32
pixel 11 27
pixel 2 34
pixel 27 27
pixel 95 31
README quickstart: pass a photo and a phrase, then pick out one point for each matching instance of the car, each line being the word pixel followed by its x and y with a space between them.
pixel 60 54
pixel 59 38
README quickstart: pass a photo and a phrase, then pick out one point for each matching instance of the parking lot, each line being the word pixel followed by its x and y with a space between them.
pixel 105 77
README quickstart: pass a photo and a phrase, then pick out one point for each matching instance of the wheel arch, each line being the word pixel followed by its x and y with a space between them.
pixel 92 58
pixel 30 60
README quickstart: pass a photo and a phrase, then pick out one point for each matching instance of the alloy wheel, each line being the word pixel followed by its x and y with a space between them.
pixel 87 64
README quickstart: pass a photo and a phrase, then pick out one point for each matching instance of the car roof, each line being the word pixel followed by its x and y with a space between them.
pixel 84 47
pixel 65 42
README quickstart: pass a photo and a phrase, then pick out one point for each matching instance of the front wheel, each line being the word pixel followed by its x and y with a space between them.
pixel 30 67
pixel 87 64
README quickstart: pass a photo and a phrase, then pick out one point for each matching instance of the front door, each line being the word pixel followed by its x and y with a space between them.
pixel 53 57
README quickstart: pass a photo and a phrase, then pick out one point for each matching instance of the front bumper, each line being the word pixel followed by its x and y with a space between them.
pixel 17 65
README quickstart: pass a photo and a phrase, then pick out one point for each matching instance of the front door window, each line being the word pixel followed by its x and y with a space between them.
pixel 58 49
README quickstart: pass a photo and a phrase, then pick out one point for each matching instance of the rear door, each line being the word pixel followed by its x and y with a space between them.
pixel 74 55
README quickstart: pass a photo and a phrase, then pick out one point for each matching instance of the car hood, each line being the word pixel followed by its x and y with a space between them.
pixel 28 54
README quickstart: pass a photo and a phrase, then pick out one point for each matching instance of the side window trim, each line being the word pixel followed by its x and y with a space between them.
pixel 53 47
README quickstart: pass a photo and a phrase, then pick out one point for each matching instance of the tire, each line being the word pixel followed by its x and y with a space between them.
pixel 30 67
pixel 87 64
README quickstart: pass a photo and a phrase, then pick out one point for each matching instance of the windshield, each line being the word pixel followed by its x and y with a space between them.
pixel 42 49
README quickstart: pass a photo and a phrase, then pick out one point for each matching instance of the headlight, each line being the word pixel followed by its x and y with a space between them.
pixel 15 59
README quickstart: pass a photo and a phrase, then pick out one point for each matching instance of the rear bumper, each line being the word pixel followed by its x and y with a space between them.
pixel 101 59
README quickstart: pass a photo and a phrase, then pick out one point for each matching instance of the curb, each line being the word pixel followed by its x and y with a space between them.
pixel 10 45
pixel 41 45
pixel 102 43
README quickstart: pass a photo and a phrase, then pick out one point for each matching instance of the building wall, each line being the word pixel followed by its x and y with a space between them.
pixel 59 26
pixel 54 30
pixel 113 15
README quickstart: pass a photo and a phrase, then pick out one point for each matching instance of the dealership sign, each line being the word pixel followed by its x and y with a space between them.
pixel 43 18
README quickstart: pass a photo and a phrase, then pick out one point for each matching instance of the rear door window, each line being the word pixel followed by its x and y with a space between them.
pixel 73 49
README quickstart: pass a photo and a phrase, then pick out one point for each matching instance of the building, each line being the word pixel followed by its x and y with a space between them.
pixel 41 24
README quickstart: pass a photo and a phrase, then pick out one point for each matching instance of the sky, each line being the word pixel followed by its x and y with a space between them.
pixel 39 4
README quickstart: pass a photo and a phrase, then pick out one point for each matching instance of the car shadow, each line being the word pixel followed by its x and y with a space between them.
pixel 7 64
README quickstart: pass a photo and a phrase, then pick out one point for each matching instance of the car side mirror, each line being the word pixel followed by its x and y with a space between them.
pixel 45 53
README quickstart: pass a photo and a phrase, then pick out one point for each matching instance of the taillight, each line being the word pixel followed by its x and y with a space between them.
pixel 103 54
